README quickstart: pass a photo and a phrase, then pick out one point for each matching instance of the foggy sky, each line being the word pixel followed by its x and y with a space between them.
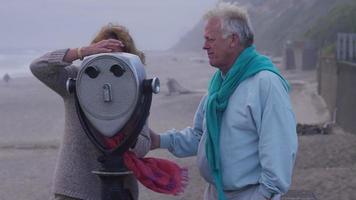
pixel 47 24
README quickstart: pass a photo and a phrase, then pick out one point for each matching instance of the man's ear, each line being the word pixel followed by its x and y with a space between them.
pixel 235 40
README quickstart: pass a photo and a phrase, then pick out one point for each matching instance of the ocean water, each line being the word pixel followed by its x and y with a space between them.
pixel 16 64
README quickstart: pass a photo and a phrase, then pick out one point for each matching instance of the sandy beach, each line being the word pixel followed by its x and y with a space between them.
pixel 32 118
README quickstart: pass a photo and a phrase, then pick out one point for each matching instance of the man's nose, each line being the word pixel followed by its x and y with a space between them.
pixel 205 46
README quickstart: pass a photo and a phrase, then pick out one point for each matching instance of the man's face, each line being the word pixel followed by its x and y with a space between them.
pixel 219 50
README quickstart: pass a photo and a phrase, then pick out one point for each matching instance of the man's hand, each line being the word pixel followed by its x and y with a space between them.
pixel 155 140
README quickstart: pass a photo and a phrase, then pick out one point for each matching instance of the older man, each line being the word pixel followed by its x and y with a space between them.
pixel 244 132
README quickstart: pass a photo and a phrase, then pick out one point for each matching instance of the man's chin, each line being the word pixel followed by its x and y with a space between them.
pixel 212 64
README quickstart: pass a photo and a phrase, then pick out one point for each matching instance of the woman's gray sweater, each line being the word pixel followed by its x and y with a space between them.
pixel 78 156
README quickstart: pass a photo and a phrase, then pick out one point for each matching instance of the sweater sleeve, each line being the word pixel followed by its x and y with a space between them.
pixel 277 137
pixel 185 142
pixel 52 70
pixel 143 142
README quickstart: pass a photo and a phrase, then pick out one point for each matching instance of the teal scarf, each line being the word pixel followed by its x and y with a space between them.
pixel 246 65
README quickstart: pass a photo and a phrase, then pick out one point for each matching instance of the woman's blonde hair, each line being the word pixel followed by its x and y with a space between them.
pixel 121 33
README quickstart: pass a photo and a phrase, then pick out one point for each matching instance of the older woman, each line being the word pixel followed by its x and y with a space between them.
pixel 78 156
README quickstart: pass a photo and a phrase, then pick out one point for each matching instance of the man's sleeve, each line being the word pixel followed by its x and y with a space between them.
pixel 277 137
pixel 185 142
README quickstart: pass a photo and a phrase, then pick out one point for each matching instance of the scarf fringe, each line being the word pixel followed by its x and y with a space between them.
pixel 184 181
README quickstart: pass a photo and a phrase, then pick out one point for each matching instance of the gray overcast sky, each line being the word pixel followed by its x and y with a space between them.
pixel 44 24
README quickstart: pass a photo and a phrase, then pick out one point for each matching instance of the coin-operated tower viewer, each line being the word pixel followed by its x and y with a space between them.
pixel 113 99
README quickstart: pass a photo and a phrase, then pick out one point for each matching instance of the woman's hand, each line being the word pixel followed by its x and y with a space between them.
pixel 104 46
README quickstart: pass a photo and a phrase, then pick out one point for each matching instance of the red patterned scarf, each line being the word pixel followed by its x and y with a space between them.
pixel 159 175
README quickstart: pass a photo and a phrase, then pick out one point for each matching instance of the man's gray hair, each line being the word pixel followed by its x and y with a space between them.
pixel 234 20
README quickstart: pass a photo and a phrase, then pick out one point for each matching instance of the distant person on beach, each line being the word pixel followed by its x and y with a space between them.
pixel 244 130
pixel 6 78
pixel 78 156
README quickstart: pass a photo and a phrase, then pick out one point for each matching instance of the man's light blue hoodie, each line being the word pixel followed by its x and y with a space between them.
pixel 258 141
